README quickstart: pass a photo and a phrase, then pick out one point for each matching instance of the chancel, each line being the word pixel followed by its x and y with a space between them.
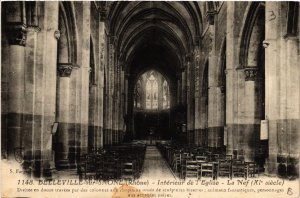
pixel 123 90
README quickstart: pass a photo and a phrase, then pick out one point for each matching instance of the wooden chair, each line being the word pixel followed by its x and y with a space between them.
pixel 184 158
pixel 224 169
pixel 111 168
pixel 89 168
pixel 207 169
pixel 252 169
pixel 176 162
pixel 239 169
pixel 129 170
pixel 201 158
pixel 191 169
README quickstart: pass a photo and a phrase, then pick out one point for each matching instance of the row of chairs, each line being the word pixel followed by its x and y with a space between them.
pixel 201 162
pixel 116 162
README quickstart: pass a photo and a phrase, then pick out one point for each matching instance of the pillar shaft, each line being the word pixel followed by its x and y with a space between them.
pixel 15 30
pixel 231 79
pixel 215 117
pixel 46 89
pixel 273 82
pixel 101 83
pixel 63 115
pixel 183 87
pixel 251 121
pixel 108 139
pixel 215 104
pixel 15 95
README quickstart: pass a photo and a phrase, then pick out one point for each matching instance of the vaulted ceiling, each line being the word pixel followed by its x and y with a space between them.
pixel 154 34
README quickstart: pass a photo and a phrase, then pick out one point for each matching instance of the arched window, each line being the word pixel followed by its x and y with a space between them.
pixel 166 100
pixel 151 92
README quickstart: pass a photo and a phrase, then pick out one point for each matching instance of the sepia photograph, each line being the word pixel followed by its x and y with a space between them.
pixel 150 99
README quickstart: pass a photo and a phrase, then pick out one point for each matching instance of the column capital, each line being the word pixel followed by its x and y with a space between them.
pixel 64 69
pixel 290 37
pixel 250 73
pixel 33 29
pixel 17 34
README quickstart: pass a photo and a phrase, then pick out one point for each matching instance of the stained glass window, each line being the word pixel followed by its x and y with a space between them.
pixel 166 101
pixel 151 92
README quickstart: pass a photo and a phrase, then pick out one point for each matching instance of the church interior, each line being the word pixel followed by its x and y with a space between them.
pixel 117 89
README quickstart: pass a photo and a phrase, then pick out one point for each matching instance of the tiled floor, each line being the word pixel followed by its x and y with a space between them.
pixel 155 167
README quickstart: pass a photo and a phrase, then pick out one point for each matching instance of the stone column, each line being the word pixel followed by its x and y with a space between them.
pixel 93 111
pixel 33 114
pixel 292 105
pixel 178 77
pixel 183 86
pixel 197 96
pixel 130 130
pixel 128 112
pixel 126 92
pixel 202 131
pixel 187 99
pixel 230 75
pixel 215 123
pixel 84 72
pixel 113 107
pixel 116 105
pixel 17 39
pixel 121 105
pixel 251 127
pixel 15 31
pixel 46 88
pixel 110 91
pixel 63 114
pixel 273 82
pixel 101 84
pixel 105 107
pixel 190 99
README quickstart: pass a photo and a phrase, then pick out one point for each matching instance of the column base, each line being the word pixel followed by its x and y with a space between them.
pixel 62 164
pixel 107 137
pixel 243 139
pixel 39 164
pixel 201 137
pixel 215 137
pixel 74 156
pixel 190 137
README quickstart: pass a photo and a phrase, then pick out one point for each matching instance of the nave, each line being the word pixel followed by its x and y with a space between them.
pixel 80 81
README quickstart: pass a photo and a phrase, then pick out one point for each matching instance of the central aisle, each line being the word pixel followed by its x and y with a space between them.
pixel 155 167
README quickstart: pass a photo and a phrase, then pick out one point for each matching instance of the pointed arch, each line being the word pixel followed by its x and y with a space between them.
pixel 67 23
pixel 254 11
